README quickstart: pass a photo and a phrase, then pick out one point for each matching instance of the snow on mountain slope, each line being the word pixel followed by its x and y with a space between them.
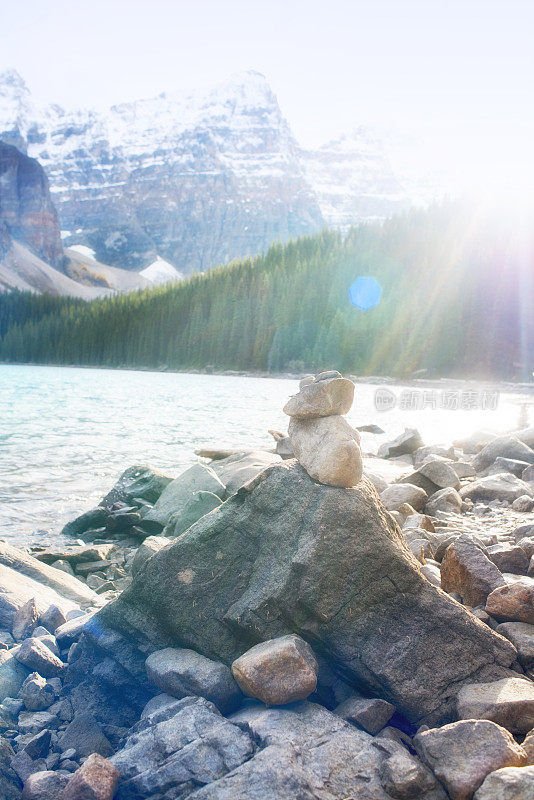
pixel 160 271
pixel 354 180
pixel 196 180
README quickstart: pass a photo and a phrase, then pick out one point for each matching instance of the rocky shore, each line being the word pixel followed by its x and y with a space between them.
pixel 310 623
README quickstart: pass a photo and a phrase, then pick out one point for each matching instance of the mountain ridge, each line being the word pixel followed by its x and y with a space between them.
pixel 195 181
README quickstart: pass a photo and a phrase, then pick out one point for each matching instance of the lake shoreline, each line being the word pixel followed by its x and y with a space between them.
pixel 505 386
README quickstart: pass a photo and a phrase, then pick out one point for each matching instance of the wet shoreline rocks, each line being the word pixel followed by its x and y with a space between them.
pixel 249 630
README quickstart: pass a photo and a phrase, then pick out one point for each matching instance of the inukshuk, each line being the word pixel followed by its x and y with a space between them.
pixel 323 441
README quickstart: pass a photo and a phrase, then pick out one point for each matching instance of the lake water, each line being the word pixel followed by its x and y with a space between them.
pixel 66 434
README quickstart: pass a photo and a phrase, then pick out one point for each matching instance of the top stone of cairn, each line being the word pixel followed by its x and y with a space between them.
pixel 324 397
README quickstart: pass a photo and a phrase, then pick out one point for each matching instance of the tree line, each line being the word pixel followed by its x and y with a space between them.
pixel 456 300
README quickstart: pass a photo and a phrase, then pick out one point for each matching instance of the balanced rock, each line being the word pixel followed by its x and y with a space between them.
pixel 277 672
pixel 508 702
pixel 284 554
pixel 463 753
pixel 328 448
pixel 322 398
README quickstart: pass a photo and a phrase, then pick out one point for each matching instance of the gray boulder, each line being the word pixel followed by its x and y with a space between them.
pixel 521 634
pixel 36 693
pixel 85 736
pixel 45 785
pixel 287 554
pixel 197 506
pixel 422 454
pixel 23 577
pixel 176 749
pixel 407 443
pixel 177 493
pixel 398 494
pixel 508 702
pixel 496 487
pixel 37 657
pixel 10 783
pixel 180 672
pixel 505 447
pixel 151 545
pixel 239 469
pixel 510 783
pixel 462 754
pixel 12 674
pixel 446 501
pixel 26 618
pixel 369 713
pixel 136 482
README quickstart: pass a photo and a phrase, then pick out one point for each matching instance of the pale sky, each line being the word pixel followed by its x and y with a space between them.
pixel 461 71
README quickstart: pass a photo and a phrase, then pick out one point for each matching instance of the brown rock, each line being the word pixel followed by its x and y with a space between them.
pixel 466 570
pixel 321 399
pixel 328 449
pixel 96 779
pixel 463 753
pixel 528 747
pixel 508 702
pixel 278 671
pixel 37 657
pixel 399 493
pixel 509 558
pixel 25 620
pixel 513 602
pixel 369 713
pixel 446 500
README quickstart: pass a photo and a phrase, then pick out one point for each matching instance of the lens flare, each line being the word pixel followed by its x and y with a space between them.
pixel 365 293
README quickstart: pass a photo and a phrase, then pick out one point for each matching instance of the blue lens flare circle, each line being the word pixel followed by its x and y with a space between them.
pixel 365 293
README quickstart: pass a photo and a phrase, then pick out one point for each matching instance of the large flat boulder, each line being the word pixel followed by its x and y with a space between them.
pixel 28 566
pixel 289 555
pixel 22 578
pixel 303 751
pixel 239 469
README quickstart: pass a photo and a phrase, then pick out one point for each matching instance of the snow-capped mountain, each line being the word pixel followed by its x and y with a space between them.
pixel 194 181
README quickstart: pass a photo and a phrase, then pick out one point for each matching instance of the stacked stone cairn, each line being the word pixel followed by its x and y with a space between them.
pixel 323 441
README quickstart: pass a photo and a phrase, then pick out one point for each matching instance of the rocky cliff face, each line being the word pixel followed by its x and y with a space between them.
pixel 27 213
pixel 196 181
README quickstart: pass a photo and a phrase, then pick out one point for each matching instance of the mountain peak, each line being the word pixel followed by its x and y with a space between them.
pixel 11 79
